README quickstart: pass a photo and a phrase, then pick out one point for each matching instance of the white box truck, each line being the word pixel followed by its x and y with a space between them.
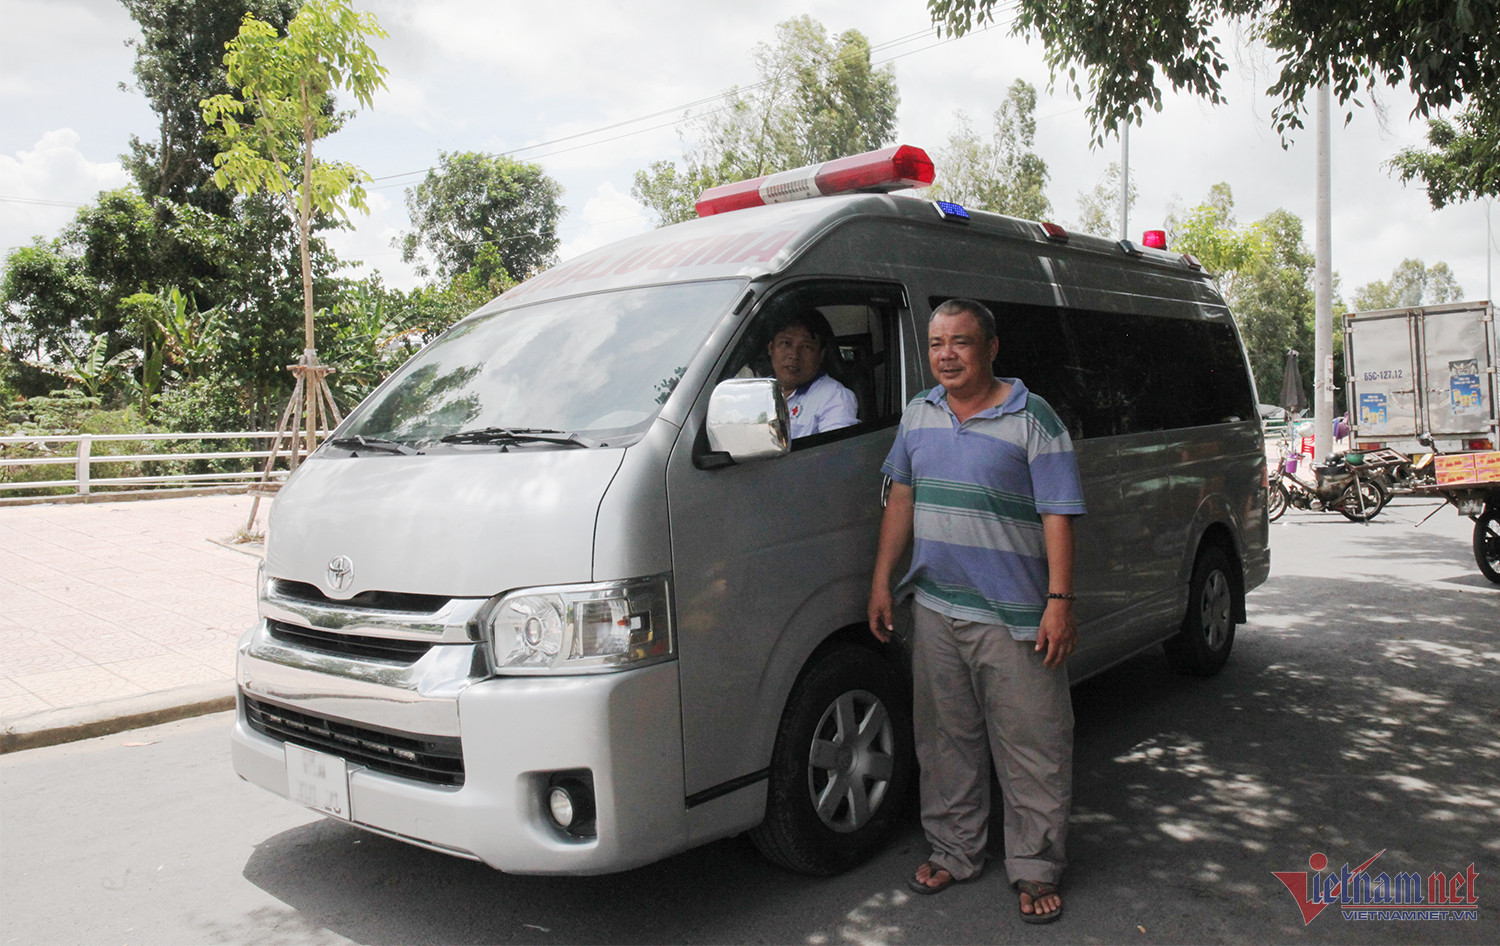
pixel 1422 379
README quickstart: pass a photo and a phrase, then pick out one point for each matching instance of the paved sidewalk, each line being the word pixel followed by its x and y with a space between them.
pixel 119 613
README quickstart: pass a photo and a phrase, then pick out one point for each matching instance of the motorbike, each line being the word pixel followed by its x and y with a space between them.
pixel 1400 474
pixel 1344 483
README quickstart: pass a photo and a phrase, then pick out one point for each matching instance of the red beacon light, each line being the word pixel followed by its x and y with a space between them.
pixel 1154 239
pixel 877 172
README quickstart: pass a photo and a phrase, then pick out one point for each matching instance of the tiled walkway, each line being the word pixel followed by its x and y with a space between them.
pixel 111 600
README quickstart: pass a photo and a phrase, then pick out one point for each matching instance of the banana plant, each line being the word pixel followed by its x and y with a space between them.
pixel 190 337
pixel 92 371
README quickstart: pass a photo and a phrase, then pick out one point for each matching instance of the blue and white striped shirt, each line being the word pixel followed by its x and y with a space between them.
pixel 980 488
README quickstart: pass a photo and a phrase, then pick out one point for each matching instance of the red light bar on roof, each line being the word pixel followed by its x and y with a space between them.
pixel 873 172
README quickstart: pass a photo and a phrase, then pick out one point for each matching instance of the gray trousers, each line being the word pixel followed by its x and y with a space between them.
pixel 982 695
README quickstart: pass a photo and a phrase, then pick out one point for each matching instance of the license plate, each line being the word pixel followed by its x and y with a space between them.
pixel 318 780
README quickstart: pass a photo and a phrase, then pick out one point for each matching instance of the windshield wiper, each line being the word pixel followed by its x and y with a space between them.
pixel 357 442
pixel 506 436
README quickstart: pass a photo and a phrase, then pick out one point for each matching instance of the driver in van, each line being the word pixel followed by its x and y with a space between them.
pixel 801 352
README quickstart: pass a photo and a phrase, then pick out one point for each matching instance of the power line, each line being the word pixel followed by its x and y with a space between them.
pixel 679 109
pixel 39 202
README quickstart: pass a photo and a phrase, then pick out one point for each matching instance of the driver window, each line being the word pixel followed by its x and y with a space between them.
pixel 831 348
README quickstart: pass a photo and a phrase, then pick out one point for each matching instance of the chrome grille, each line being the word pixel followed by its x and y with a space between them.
pixel 436 760
pixel 394 650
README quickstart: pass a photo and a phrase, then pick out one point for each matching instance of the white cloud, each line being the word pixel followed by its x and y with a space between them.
pixel 606 217
pixel 41 189
pixel 369 243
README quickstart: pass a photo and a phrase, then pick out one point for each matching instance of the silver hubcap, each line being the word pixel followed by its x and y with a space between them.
pixel 1214 610
pixel 851 761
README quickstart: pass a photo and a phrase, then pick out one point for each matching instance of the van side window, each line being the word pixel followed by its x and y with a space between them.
pixel 1111 373
pixel 864 357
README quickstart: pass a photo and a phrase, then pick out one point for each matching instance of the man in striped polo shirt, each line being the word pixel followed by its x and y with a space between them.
pixel 985 484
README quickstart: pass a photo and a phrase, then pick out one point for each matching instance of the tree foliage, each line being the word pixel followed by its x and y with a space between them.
pixel 285 88
pixel 1273 302
pixel 1462 159
pixel 1099 209
pixel 1209 232
pixel 1446 52
pixel 470 201
pixel 179 62
pixel 1412 283
pixel 1004 174
pixel 817 99
pixel 58 291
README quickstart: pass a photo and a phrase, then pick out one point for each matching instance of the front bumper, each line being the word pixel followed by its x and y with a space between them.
pixel 515 732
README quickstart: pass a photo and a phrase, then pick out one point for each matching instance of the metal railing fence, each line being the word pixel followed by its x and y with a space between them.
pixel 76 452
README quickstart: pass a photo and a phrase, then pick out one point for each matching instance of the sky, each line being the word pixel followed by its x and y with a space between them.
pixel 594 91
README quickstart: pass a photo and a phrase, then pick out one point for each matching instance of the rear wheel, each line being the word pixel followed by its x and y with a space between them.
pixel 1487 543
pixel 841 768
pixel 1365 504
pixel 1276 502
pixel 1202 646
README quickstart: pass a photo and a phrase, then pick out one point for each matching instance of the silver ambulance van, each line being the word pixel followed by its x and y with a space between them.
pixel 561 596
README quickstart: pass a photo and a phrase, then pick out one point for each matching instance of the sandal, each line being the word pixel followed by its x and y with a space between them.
pixel 920 886
pixel 1036 890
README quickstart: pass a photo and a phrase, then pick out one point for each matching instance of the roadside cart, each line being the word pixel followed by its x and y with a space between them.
pixel 1471 482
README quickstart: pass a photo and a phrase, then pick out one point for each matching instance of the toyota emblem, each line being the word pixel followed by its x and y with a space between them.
pixel 340 573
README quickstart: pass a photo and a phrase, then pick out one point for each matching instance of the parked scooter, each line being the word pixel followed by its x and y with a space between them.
pixel 1344 484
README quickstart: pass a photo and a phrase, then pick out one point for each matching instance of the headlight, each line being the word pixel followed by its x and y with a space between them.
pixel 579 628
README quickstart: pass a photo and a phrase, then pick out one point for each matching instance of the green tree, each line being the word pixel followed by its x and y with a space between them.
pixel 471 201
pixel 1209 232
pixel 1272 300
pixel 56 292
pixel 1412 283
pixel 817 99
pixel 1004 174
pixel 1447 54
pixel 179 62
pixel 1099 209
pixel 287 83
pixel 1460 161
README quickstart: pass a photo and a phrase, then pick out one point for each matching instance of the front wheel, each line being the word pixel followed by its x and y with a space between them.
pixel 841 768
pixel 1202 646
pixel 1276 502
pixel 1365 503
pixel 1487 543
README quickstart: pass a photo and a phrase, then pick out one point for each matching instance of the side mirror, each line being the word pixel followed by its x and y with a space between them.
pixel 747 420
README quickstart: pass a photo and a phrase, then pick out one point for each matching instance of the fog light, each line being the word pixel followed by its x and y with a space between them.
pixel 570 800
pixel 562 806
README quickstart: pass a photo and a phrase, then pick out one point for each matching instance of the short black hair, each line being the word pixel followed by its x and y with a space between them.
pixel 817 326
pixel 811 319
pixel 979 310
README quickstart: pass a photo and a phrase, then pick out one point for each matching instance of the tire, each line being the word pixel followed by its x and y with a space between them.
pixel 1373 496
pixel 1202 647
pixel 1487 543
pixel 1276 502
pixel 842 766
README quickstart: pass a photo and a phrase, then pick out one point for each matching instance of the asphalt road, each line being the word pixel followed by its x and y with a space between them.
pixel 1358 715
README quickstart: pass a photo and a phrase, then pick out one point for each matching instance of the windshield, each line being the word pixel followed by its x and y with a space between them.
pixel 598 366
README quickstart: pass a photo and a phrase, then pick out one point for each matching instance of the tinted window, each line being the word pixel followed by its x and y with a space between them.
pixel 1111 373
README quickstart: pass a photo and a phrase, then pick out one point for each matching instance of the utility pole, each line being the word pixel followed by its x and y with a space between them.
pixel 1125 181
pixel 1323 289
